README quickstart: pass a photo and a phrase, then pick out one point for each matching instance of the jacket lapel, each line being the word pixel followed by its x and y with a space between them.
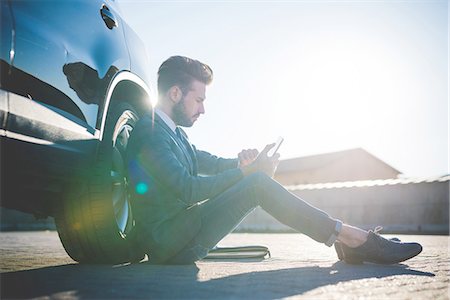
pixel 188 159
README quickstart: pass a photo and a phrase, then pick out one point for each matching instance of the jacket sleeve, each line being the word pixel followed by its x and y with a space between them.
pixel 157 157
pixel 209 164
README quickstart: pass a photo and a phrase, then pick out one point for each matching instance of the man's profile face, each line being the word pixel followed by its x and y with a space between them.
pixel 190 107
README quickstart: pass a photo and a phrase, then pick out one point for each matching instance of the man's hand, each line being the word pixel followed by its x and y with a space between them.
pixel 247 156
pixel 262 163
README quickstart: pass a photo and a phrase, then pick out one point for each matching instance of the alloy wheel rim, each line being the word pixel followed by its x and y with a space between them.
pixel 120 187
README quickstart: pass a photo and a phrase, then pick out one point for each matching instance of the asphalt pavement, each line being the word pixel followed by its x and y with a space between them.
pixel 35 265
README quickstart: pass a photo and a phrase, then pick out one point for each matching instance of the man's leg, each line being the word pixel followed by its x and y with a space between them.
pixel 220 215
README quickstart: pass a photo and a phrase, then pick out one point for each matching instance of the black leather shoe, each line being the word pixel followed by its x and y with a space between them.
pixel 339 251
pixel 378 250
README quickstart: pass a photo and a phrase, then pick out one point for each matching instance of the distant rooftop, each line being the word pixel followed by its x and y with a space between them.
pixel 317 161
pixel 347 165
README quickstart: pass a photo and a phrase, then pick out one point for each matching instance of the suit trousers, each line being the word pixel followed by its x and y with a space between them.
pixel 221 214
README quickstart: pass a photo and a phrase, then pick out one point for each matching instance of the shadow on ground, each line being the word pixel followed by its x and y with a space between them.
pixel 152 281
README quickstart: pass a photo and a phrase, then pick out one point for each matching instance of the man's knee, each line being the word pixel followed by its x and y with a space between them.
pixel 264 188
pixel 258 179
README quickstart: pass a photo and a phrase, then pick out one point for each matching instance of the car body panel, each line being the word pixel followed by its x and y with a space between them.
pixel 60 63
pixel 6 33
pixel 49 40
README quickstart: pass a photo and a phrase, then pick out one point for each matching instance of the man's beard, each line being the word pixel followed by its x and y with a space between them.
pixel 180 116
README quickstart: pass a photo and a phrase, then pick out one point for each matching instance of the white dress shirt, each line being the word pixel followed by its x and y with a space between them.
pixel 169 122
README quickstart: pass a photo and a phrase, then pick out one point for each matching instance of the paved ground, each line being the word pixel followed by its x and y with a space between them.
pixel 34 265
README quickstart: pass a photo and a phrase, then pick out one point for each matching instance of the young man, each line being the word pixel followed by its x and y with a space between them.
pixel 186 200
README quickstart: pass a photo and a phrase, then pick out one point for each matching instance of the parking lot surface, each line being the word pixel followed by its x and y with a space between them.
pixel 35 265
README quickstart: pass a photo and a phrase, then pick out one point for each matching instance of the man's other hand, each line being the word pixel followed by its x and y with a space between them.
pixel 247 156
pixel 262 163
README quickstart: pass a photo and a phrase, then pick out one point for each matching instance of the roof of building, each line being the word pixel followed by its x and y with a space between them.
pixel 368 183
pixel 317 161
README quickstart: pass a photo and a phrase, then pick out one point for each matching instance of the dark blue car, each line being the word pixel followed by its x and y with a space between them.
pixel 73 84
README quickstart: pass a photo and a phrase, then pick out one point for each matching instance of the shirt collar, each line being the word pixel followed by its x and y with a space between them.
pixel 169 122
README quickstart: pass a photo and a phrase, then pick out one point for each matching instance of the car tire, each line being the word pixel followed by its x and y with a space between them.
pixel 95 221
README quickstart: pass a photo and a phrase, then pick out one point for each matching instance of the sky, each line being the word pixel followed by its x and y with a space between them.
pixel 325 75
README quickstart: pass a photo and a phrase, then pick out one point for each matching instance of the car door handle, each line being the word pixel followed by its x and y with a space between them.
pixel 108 17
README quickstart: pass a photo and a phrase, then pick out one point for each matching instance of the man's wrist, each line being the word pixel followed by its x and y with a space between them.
pixel 247 170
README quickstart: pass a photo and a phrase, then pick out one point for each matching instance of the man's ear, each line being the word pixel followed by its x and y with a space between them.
pixel 175 94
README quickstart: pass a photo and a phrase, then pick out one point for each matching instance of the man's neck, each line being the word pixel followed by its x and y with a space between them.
pixel 165 109
pixel 166 118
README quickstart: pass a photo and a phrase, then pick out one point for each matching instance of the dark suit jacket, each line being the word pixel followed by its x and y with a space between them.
pixel 166 188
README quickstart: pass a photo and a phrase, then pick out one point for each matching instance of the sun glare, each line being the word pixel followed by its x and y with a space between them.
pixel 341 92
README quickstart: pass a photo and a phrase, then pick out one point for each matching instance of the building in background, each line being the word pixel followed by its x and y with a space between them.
pixel 348 165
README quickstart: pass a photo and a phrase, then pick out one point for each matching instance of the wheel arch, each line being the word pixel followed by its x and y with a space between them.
pixel 130 87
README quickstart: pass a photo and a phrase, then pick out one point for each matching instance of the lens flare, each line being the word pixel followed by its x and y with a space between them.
pixel 141 188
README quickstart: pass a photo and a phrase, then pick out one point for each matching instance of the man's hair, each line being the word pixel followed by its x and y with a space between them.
pixel 181 71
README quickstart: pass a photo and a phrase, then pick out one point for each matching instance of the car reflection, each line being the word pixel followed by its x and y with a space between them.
pixel 85 81
pixel 17 81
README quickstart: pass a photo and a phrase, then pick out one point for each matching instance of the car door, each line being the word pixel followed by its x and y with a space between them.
pixel 64 56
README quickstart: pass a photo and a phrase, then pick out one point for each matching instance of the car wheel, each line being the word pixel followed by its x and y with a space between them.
pixel 96 219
